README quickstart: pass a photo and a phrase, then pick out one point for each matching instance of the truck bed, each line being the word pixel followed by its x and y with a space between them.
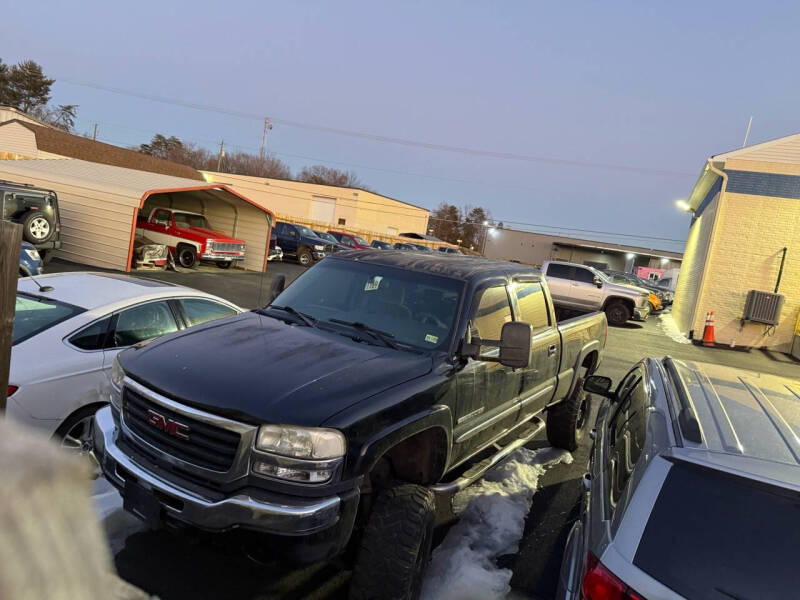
pixel 577 335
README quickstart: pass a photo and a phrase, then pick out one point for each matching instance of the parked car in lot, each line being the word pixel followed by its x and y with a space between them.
pixel 448 250
pixel 335 245
pixel 190 237
pixel 36 209
pixel 582 288
pixel 405 246
pixel 300 243
pixel 67 333
pixel 380 245
pixel 693 489
pixel 390 374
pixel 275 251
pixel 30 263
pixel 657 303
pixel 350 241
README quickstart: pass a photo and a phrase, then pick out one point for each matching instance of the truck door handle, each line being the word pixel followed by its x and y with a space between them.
pixel 551 350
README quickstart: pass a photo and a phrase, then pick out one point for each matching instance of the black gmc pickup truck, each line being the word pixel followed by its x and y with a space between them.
pixel 332 417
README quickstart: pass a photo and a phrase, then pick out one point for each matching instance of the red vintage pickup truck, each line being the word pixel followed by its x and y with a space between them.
pixel 190 237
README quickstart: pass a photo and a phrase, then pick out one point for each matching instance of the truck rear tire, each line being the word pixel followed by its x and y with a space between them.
pixel 567 420
pixel 187 256
pixel 617 312
pixel 396 545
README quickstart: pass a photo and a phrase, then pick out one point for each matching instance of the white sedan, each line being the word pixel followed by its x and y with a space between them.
pixel 67 333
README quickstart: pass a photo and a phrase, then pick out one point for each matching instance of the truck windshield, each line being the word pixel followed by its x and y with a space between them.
pixel 417 309
pixel 305 231
pixel 715 535
pixel 187 220
pixel 34 314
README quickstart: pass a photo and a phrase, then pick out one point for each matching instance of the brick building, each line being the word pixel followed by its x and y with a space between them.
pixel 746 210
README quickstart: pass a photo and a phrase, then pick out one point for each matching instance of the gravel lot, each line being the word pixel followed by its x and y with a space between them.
pixel 182 567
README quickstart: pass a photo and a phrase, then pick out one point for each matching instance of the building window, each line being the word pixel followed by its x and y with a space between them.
pixel 342 221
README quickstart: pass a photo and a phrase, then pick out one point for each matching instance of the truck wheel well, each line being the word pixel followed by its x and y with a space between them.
pixel 627 302
pixel 590 362
pixel 421 458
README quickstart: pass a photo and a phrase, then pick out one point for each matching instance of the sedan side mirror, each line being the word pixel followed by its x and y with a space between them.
pixel 598 384
pixel 598 282
pixel 276 287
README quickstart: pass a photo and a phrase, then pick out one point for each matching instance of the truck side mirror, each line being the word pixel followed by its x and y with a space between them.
pixel 598 282
pixel 598 384
pixel 276 287
pixel 515 344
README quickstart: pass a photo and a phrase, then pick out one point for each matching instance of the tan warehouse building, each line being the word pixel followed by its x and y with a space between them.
pixel 328 207
pixel 744 236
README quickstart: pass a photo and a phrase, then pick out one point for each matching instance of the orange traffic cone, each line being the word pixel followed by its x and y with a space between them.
pixel 708 332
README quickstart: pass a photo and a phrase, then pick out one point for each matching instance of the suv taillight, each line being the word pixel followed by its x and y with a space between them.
pixel 600 584
pixel 11 390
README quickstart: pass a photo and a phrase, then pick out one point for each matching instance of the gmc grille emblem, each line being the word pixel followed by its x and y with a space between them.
pixel 173 428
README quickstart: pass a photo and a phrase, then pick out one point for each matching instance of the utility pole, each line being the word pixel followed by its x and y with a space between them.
pixel 747 133
pixel 267 127
pixel 221 154
pixel 94 135
pixel 10 243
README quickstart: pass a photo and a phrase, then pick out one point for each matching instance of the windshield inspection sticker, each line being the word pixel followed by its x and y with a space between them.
pixel 431 339
pixel 373 284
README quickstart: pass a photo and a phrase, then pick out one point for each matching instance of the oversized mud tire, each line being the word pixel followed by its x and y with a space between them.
pixel 567 420
pixel 617 312
pixel 395 546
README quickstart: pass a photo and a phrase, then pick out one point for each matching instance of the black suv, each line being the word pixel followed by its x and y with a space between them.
pixel 36 209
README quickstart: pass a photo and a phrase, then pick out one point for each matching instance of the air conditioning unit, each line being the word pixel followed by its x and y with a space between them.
pixel 763 307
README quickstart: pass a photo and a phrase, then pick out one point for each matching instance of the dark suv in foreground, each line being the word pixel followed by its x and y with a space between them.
pixel 693 489
pixel 36 209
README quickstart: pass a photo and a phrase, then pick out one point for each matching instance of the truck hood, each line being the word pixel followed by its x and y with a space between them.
pixel 209 233
pixel 257 369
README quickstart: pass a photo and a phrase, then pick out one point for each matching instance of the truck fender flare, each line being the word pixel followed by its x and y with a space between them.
pixel 585 351
pixel 437 417
pixel 624 299
pixel 185 242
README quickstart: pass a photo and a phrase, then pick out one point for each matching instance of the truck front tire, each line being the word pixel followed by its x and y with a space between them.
pixel 304 257
pixel 396 545
pixel 617 312
pixel 187 256
pixel 566 421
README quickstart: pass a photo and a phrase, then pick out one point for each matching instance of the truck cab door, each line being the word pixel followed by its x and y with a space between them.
pixel 585 290
pixel 487 391
pixel 539 379
pixel 287 238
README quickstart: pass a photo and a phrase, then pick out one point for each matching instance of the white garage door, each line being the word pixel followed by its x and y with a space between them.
pixel 323 209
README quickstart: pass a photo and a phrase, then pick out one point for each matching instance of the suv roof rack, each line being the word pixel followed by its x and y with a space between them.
pixel 687 418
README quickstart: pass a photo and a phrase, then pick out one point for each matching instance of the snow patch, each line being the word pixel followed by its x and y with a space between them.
pixel 491 521
pixel 667 324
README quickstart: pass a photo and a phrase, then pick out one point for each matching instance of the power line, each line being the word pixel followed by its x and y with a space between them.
pixel 380 138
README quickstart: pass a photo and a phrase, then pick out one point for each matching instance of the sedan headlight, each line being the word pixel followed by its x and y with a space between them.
pixel 33 254
pixel 311 443
pixel 319 247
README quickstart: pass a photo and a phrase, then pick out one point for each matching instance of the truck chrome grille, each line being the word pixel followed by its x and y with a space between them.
pixel 201 444
pixel 226 247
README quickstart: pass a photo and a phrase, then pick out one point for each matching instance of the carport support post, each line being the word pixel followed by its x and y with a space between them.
pixel 10 243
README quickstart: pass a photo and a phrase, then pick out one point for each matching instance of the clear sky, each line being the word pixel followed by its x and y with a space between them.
pixel 654 86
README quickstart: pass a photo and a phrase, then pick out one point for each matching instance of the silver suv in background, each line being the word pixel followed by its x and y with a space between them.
pixel 693 488
pixel 582 288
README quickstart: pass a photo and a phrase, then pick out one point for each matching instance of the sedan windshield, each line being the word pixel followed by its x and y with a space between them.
pixel 416 309
pixel 34 314
pixel 187 220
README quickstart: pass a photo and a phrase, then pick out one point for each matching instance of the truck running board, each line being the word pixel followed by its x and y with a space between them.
pixel 476 471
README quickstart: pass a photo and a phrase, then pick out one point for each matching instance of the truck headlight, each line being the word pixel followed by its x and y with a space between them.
pixel 318 247
pixel 311 443
pixel 117 374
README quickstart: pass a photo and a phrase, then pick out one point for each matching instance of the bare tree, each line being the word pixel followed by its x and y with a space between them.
pixel 330 176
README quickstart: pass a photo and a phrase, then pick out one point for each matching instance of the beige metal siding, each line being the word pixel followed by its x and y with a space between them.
pixel 16 139
pixel 783 150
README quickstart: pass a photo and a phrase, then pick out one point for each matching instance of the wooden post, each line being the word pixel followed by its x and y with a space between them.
pixel 10 243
